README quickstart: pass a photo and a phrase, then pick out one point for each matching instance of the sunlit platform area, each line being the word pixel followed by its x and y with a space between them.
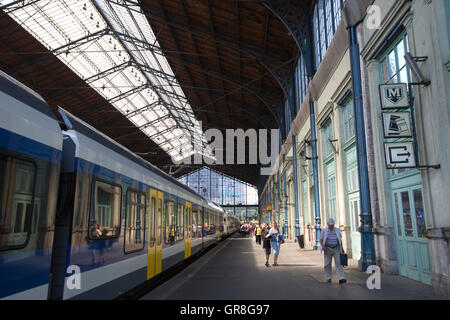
pixel 235 270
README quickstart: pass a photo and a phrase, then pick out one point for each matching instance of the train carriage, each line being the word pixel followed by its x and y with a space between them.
pixel 130 220
pixel 30 158
pixel 77 205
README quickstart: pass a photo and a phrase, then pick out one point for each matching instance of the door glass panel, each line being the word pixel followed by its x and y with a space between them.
pixel 408 226
pixel 190 221
pixel 355 211
pixel 186 221
pixel 398 215
pixel 420 217
pixel 152 222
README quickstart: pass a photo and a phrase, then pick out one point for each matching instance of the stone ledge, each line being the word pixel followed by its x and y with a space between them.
pixel 381 230
pixel 438 234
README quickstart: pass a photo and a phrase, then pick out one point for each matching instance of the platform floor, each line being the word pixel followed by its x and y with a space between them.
pixel 235 270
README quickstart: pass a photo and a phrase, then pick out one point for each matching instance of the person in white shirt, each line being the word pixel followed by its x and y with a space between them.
pixel 331 242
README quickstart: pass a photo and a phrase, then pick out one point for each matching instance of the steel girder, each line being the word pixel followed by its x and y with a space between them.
pixel 121 39
pixel 13 6
pixel 269 59
pixel 210 70
pixel 194 42
pixel 295 16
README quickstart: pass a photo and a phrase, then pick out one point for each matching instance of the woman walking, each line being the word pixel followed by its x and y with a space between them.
pixel 276 239
pixel 266 244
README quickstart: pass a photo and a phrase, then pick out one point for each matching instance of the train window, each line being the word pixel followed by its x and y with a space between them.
pixel 17 187
pixel 213 222
pixel 188 222
pixel 135 221
pixel 180 222
pixel 159 222
pixel 170 223
pixel 206 223
pixel 105 216
pixel 195 223
pixel 191 223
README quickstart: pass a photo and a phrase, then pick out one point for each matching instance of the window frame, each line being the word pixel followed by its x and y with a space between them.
pixel 327 124
pixel 29 222
pixel 324 26
pixel 92 207
pixel 180 207
pixel 382 58
pixel 144 220
pixel 159 227
pixel 348 104
pixel 166 217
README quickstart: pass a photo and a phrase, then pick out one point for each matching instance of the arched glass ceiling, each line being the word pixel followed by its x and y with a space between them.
pixel 112 47
pixel 220 188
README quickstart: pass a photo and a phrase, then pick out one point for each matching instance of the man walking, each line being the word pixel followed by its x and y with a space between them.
pixel 331 242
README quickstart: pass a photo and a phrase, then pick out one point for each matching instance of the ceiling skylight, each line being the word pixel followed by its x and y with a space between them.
pixel 111 46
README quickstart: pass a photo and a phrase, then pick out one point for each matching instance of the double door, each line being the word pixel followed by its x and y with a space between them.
pixel 154 255
pixel 412 245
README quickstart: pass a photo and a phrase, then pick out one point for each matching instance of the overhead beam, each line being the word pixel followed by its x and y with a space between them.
pixel 281 74
pixel 295 15
pixel 116 18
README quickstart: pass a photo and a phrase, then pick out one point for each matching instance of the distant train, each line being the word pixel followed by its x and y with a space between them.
pixel 75 204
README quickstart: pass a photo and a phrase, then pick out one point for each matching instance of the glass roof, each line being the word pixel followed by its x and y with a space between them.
pixel 111 46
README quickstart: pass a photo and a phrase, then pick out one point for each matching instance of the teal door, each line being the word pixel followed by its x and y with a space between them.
pixel 412 245
pixel 353 199
pixel 354 210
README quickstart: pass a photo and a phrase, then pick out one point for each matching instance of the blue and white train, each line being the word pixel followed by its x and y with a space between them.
pixel 82 217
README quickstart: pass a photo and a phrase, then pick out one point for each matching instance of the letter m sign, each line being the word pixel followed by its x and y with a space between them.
pixel 394 96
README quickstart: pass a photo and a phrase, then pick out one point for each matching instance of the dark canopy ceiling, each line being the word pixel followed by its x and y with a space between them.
pixel 223 53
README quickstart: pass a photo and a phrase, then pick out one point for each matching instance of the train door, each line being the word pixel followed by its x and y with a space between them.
pixel 188 229
pixel 154 256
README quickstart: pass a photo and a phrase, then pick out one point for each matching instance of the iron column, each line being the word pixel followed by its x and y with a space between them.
pixel 294 151
pixel 312 119
pixel 285 203
pixel 367 245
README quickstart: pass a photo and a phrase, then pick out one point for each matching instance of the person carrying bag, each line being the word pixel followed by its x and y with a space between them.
pixel 331 242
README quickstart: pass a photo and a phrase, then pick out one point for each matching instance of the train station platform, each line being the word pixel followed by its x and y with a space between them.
pixel 235 270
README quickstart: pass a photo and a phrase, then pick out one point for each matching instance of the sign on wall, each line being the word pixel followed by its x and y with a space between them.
pixel 399 155
pixel 394 96
pixel 397 125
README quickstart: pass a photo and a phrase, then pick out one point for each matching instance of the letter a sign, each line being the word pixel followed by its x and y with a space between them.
pixel 394 96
